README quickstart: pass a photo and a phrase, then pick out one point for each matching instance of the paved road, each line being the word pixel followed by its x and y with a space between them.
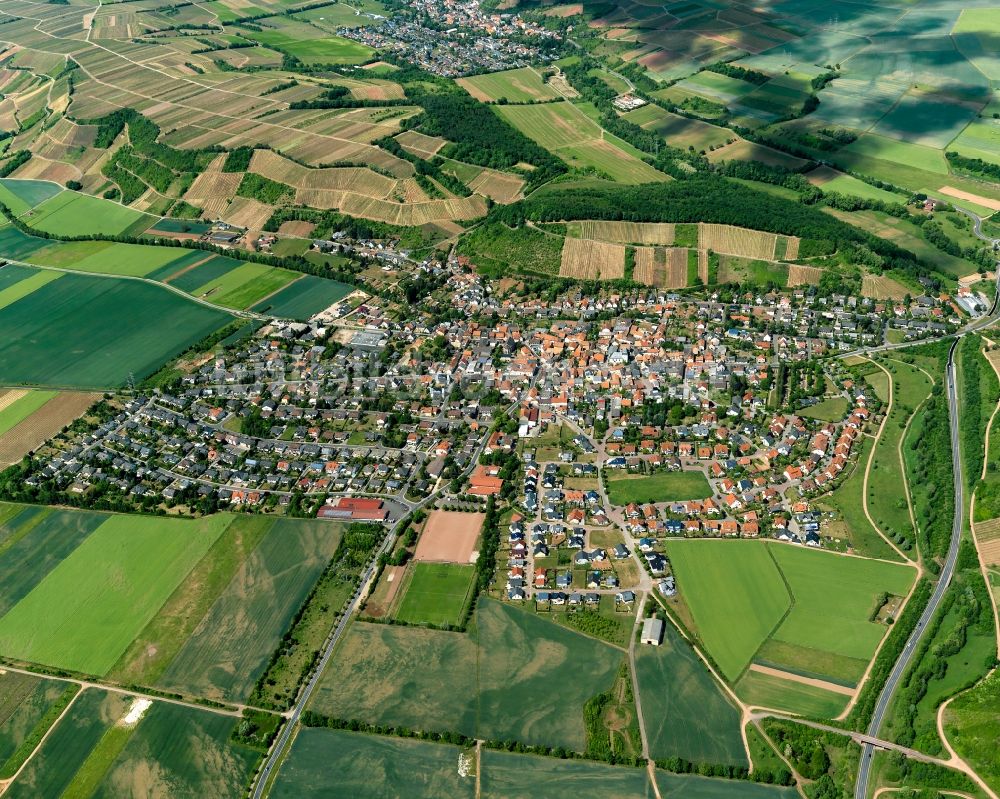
pixel 944 580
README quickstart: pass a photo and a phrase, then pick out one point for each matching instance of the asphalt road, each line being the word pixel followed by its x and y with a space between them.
pixel 947 572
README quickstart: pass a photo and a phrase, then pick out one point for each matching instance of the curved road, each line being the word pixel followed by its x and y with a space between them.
pixel 944 580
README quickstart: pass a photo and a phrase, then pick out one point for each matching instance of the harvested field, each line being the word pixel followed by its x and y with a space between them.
pixel 792 248
pixel 661 267
pixel 880 287
pixel 296 229
pixel 251 214
pixel 803 275
pixel 958 194
pixel 703 266
pixel 656 233
pixel 449 537
pixel 29 434
pixel 502 187
pixel 592 260
pixel 730 240
pixel 990 552
pixel 421 144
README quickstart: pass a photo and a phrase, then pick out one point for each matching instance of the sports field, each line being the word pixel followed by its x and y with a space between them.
pixel 85 611
pixel 686 713
pixel 469 682
pixel 659 487
pixel 788 607
pixel 339 763
pixel 437 593
pixel 89 332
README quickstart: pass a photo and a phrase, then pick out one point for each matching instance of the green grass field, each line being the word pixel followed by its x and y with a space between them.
pixel 228 650
pixel 515 85
pixel 686 713
pixel 339 763
pixel 72 214
pixel 773 692
pixel 24 711
pixel 970 724
pixel 679 131
pixel 245 285
pixel 831 409
pixel 323 50
pixel 929 159
pixel 506 775
pixel 743 593
pixel 437 593
pixel 469 682
pixel 106 257
pixel 28 285
pixel 832 181
pixel 686 786
pixel 304 297
pixel 87 610
pixel 735 593
pixel 659 487
pixel 89 332
pixel 22 408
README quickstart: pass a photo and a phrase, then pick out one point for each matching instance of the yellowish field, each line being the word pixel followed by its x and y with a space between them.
pixel 661 267
pixel 592 260
pixel 792 248
pixel 742 242
pixel 880 287
pixel 661 233
pixel 958 194
pixel 501 186
pixel 421 144
pixel 251 214
pixel 703 266
pixel 803 275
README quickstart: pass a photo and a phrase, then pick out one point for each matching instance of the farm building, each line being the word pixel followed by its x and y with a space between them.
pixel 652 631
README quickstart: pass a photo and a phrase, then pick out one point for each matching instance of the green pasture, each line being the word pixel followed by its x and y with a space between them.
pixel 659 487
pixel 107 257
pixel 436 593
pixel 87 610
pixel 21 409
pixel 70 213
pixel 228 650
pixel 846 184
pixel 469 682
pixel 28 192
pixel 92 332
pixel 686 713
pixel 736 595
pixel 319 50
pixel 928 159
pixel 340 763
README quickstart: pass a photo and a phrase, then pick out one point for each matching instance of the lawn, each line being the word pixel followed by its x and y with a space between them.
pixel 659 487
pixel 340 763
pixel 230 647
pixel 506 775
pixel 736 595
pixel 830 409
pixel 469 682
pixel 72 214
pixel 89 332
pixel 686 713
pixel 88 609
pixel 20 409
pixel 304 298
pixel 437 593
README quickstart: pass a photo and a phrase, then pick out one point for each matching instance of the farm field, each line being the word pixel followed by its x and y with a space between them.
pixel 436 593
pixel 17 405
pixel 592 260
pixel 170 750
pixel 830 180
pixel 765 690
pixel 659 487
pixel 21 195
pixel 686 713
pixel 24 427
pixel 514 85
pixel 72 214
pixel 28 704
pixel 469 682
pixel 787 590
pixel 341 763
pixel 304 297
pixel 506 775
pixel 245 285
pixel 686 786
pixel 116 327
pixel 679 131
pixel 659 233
pixel 84 613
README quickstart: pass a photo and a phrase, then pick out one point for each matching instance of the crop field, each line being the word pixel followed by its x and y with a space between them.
pixel 686 713
pixel 245 285
pixel 659 487
pixel 929 159
pixel 309 44
pixel 765 690
pixel 500 186
pixel 90 332
pixel 469 682
pixel 436 593
pixel 929 121
pixel 803 275
pixel 830 180
pixel 22 195
pixel 592 260
pixel 652 233
pixel 226 652
pixel 32 430
pixel 679 131
pixel 743 150
pixel 786 605
pixel 662 267
pixel 170 750
pixel 85 611
pixel 24 703
pixel 506 775
pixel 16 405
pixel 304 298
pixel 688 786
pixel 72 214
pixel 340 763
pixel 514 85
pixel 717 87
pixel 741 242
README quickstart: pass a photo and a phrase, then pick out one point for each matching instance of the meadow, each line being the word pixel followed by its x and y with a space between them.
pixel 340 763
pixel 970 725
pixel 315 50
pixel 788 620
pixel 84 613
pixel 659 487
pixel 514 85
pixel 73 214
pixel 436 593
pixel 90 332
pixel 686 713
pixel 470 682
